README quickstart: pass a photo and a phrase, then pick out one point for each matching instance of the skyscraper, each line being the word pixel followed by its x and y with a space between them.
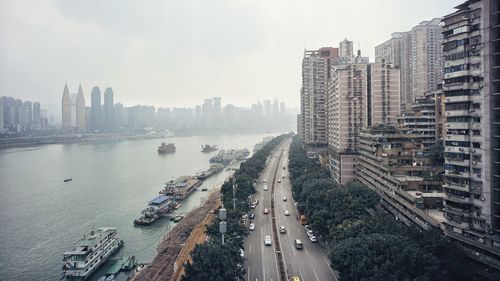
pixel 419 56
pixel 81 123
pixel 276 107
pixel 316 66
pixel 36 113
pixel 267 107
pixel 27 114
pixel 108 109
pixel 348 112
pixel 282 108
pixel 66 110
pixel 96 110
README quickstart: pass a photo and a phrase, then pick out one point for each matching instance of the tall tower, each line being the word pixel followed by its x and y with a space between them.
pixel 345 48
pixel 80 111
pixel 95 109
pixel 109 116
pixel 66 109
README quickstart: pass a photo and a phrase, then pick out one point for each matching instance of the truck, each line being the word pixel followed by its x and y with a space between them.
pixel 303 220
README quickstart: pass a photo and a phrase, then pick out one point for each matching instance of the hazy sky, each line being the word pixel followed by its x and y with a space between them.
pixel 176 53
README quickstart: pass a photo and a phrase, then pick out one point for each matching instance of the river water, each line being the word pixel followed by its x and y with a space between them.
pixel 41 217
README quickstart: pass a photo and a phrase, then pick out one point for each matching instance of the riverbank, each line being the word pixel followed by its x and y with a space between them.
pixel 167 263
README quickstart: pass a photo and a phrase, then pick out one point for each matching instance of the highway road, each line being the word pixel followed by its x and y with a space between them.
pixel 311 263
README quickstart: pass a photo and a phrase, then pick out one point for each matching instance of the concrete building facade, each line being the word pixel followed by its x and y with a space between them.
pixel 471 93
pixel 385 92
pixel 316 66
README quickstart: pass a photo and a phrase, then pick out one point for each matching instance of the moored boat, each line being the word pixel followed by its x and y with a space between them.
pixel 209 148
pixel 92 251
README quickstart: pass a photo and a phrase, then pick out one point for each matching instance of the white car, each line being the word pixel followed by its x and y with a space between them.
pixel 267 240
pixel 313 238
pixel 266 211
pixel 282 229
pixel 265 187
pixel 287 213
pixel 284 198
pixel 279 181
pixel 252 226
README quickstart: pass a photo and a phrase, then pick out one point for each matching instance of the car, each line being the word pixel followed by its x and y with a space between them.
pixel 298 244
pixel 264 181
pixel 284 198
pixel 287 213
pixel 284 167
pixel 282 229
pixel 252 206
pixel 265 187
pixel 279 181
pixel 309 232
pixel 306 227
pixel 282 177
pixel 251 216
pixel 266 211
pixel 313 238
pixel 242 253
pixel 267 240
pixel 251 226
pixel 256 202
pixel 295 278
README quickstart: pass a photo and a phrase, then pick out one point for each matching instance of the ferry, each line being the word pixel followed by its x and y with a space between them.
pixel 93 250
pixel 209 148
pixel 166 148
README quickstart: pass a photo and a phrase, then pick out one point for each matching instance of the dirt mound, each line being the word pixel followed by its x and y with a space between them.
pixel 162 267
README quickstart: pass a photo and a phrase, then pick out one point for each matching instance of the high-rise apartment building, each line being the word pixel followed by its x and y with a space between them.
pixel 348 114
pixel 66 110
pixel 95 109
pixel 427 62
pixel 36 114
pixel 384 94
pixel 316 66
pixel 472 144
pixel 109 115
pixel 282 108
pixel 419 56
pixel 276 107
pixel 267 107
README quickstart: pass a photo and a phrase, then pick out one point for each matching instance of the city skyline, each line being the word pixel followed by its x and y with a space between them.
pixel 150 69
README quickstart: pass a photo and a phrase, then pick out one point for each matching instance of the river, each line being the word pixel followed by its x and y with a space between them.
pixel 41 216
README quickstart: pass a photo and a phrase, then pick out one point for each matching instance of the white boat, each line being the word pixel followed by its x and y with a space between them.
pixel 91 251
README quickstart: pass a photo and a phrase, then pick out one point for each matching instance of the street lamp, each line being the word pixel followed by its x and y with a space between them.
pixel 222 224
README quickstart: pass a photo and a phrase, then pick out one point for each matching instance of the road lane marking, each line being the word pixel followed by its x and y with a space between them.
pixel 250 246
pixel 315 274
pixel 306 251
pixel 301 275
pixel 329 267
pixel 248 273
pixel 293 249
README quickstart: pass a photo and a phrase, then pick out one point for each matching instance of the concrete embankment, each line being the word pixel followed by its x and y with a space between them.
pixel 176 246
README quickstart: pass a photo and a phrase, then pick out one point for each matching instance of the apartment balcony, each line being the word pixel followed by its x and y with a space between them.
pixel 457 149
pixel 458 199
pixel 456 211
pixel 464 175
pixel 458 125
pixel 458 86
pixel 458 112
pixel 464 98
pixel 456 161
pixel 455 74
pixel 451 137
